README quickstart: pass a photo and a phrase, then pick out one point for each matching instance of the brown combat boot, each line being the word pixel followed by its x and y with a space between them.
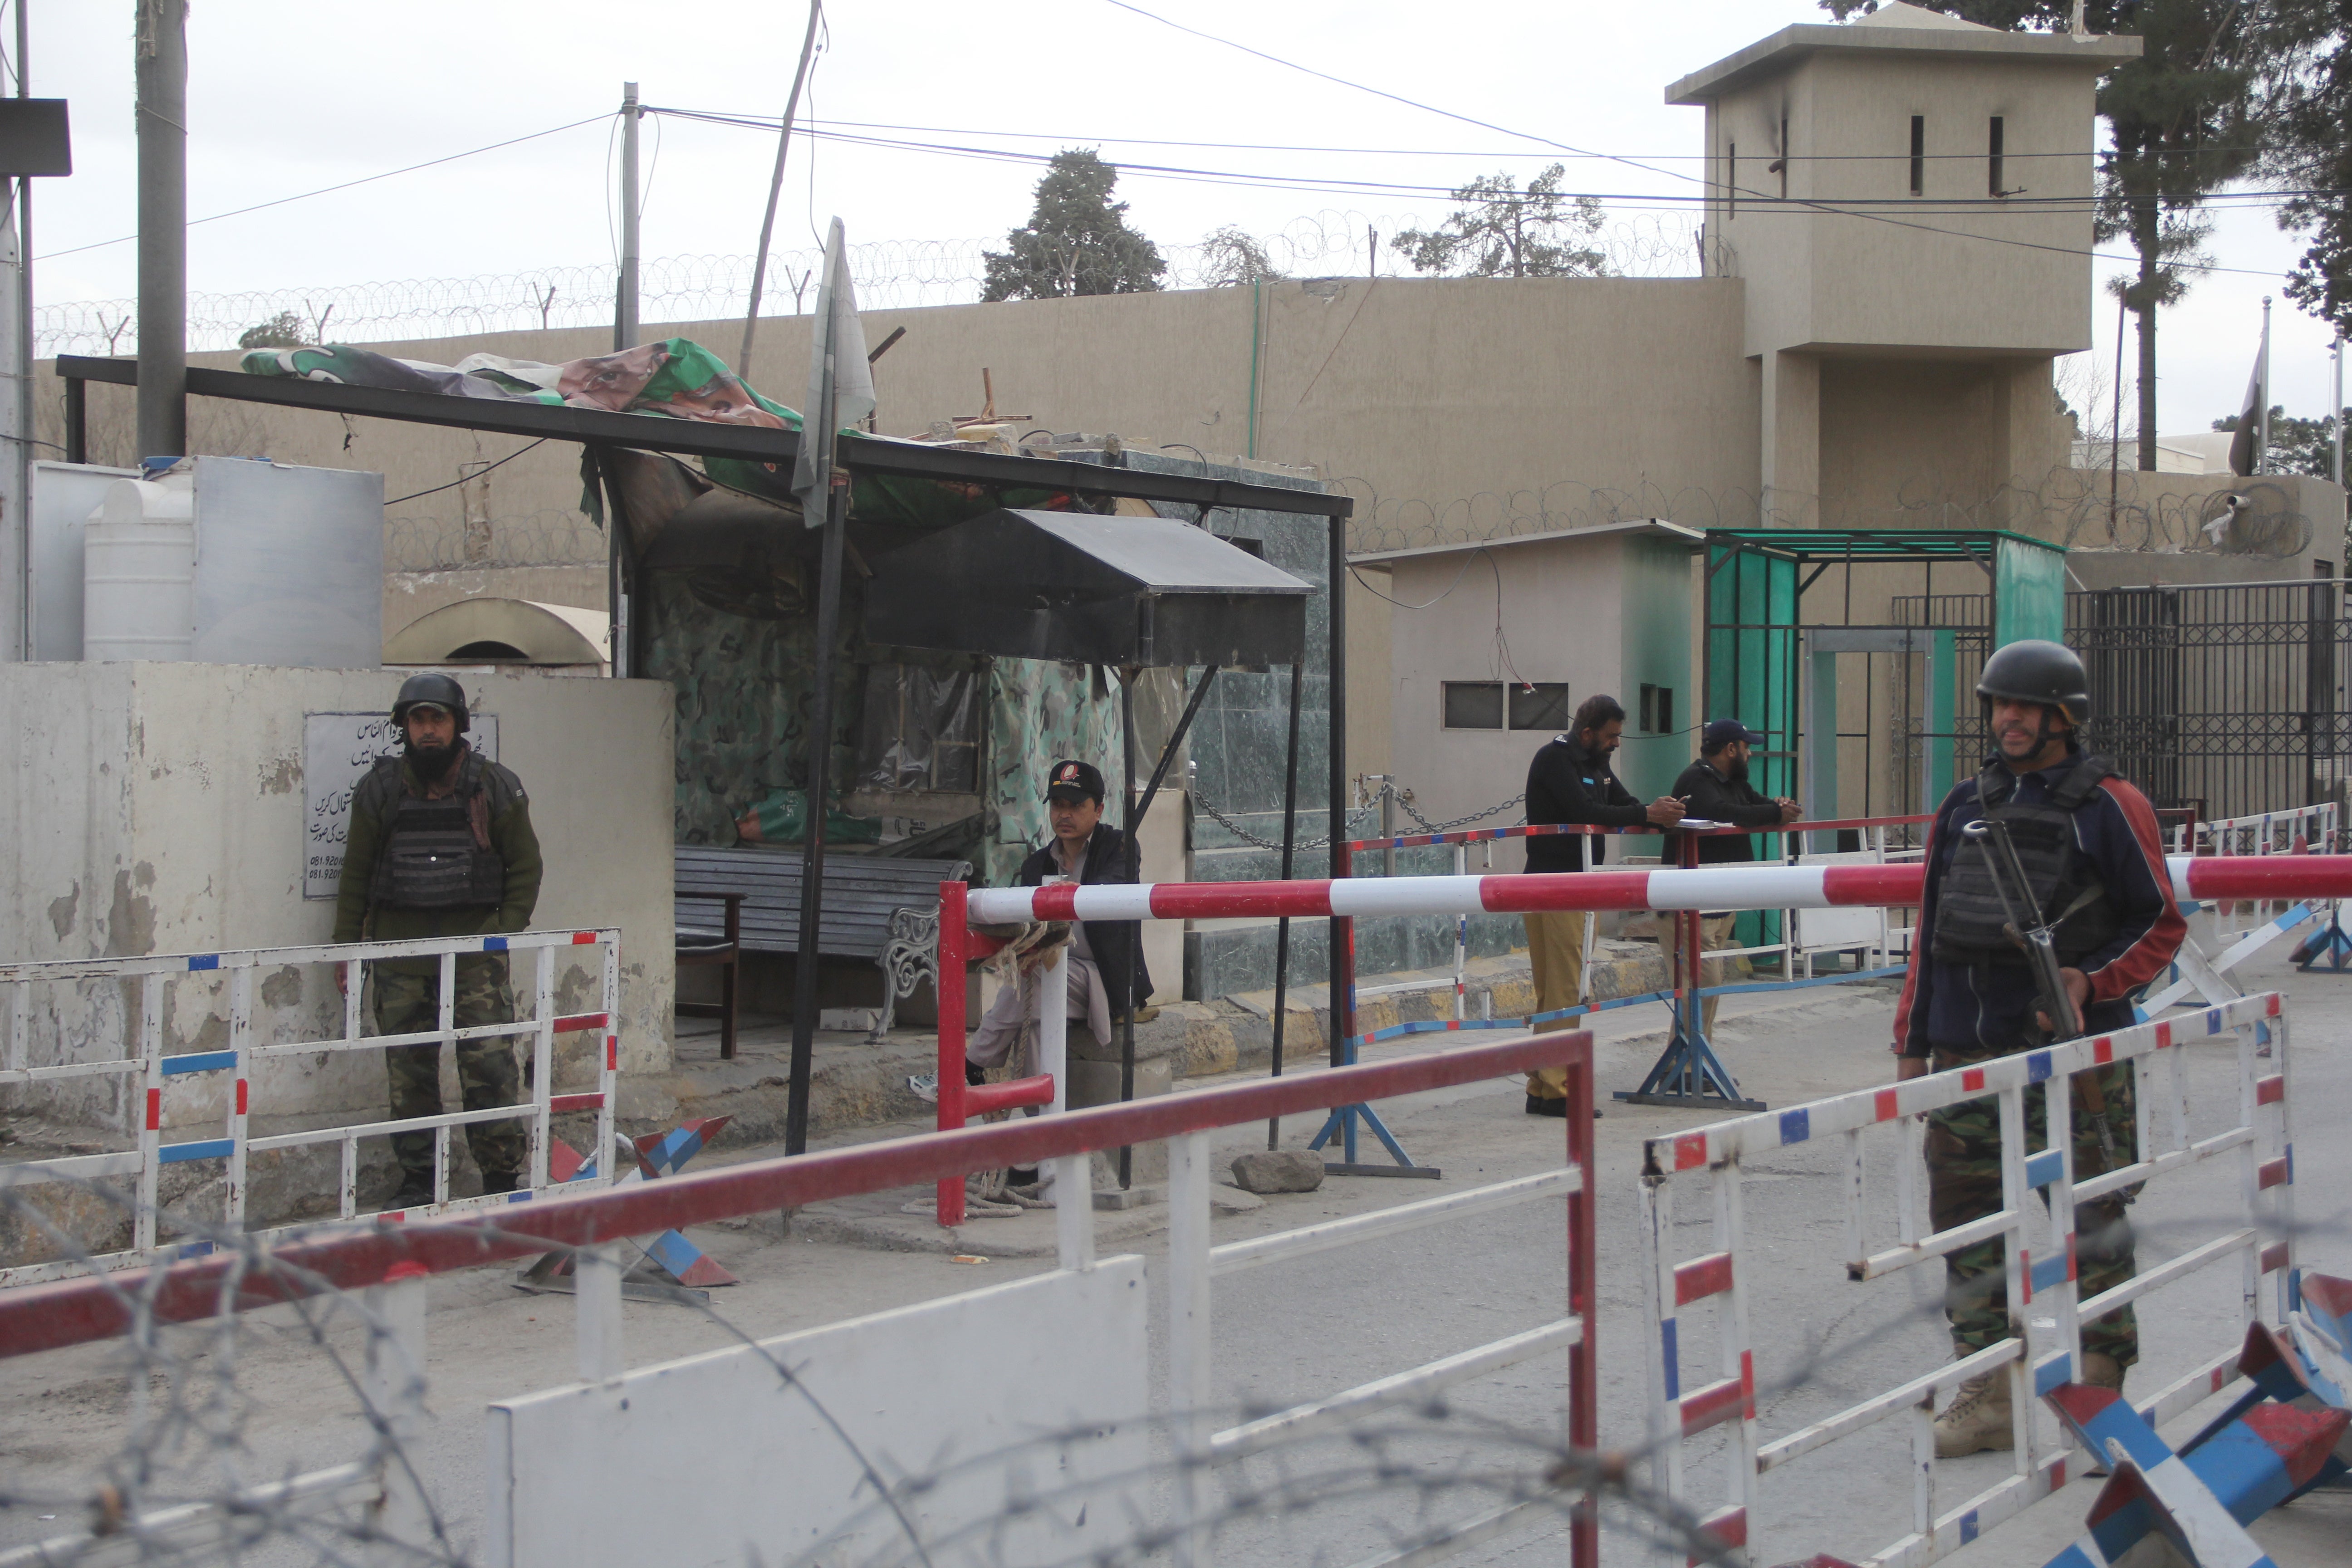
pixel 1978 1418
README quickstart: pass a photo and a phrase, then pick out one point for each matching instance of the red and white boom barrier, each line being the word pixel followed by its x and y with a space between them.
pixel 1753 886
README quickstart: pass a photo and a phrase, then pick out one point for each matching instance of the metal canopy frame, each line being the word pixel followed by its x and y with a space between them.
pixel 599 430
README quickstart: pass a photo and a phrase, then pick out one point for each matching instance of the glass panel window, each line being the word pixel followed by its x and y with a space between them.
pixel 1542 706
pixel 1473 704
pixel 920 730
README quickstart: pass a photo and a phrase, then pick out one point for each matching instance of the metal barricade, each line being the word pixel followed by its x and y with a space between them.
pixel 149 1073
pixel 2038 1245
pixel 2299 830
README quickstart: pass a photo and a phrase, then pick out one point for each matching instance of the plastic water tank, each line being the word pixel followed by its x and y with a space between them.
pixel 139 568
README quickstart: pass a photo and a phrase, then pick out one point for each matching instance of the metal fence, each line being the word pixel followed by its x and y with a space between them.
pixel 153 1074
pixel 2228 698
pixel 2039 1258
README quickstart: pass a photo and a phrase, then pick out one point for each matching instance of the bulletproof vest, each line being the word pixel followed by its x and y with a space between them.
pixel 436 854
pixel 1972 924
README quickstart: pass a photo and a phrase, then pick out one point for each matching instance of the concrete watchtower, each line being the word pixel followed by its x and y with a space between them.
pixel 1907 198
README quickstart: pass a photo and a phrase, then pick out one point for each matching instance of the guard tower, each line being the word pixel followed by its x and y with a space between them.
pixel 1907 198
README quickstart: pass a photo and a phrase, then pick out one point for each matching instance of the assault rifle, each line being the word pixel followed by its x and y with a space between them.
pixel 2028 927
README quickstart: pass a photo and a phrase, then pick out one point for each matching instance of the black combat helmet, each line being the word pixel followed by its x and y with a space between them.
pixel 2037 672
pixel 434 690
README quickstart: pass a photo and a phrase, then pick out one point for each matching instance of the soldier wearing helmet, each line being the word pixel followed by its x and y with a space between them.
pixel 2091 851
pixel 441 845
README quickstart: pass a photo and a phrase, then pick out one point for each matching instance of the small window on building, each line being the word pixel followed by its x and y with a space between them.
pixel 1918 154
pixel 1993 172
pixel 1657 710
pixel 1731 179
pixel 1473 704
pixel 1542 706
pixel 1780 163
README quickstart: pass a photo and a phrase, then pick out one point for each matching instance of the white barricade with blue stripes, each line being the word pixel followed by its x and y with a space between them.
pixel 2038 1240
pixel 146 1073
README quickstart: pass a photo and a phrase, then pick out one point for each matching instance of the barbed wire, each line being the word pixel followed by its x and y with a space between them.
pixel 889 275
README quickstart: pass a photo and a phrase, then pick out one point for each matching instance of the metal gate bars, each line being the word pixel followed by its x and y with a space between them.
pixel 2038 1244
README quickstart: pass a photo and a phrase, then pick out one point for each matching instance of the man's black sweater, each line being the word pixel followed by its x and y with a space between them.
pixel 1570 782
pixel 1705 793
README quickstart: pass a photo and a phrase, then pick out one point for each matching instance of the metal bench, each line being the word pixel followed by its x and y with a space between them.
pixel 877 908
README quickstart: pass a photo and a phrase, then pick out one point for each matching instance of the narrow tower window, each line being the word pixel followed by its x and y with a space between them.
pixel 1731 179
pixel 1782 163
pixel 1918 154
pixel 1993 182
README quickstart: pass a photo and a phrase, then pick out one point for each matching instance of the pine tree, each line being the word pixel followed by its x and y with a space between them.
pixel 1501 231
pixel 1076 242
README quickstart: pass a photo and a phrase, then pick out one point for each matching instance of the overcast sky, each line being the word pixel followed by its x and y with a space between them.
pixel 287 96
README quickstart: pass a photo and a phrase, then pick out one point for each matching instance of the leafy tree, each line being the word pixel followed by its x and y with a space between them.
pixel 2181 117
pixel 1501 231
pixel 2297 446
pixel 2310 148
pixel 1076 242
pixel 1231 257
pixel 285 330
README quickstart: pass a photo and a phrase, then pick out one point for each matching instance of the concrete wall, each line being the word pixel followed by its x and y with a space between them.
pixel 153 808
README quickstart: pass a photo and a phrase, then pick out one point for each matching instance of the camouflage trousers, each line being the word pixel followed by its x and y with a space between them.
pixel 1964 1184
pixel 487 1076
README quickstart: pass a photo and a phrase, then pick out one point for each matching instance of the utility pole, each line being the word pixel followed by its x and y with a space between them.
pixel 625 307
pixel 2335 413
pixel 20 462
pixel 162 46
pixel 775 189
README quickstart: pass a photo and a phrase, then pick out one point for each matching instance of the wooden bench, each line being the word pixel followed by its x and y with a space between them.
pixel 877 908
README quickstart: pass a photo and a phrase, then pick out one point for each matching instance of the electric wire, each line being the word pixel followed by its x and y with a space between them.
pixel 469 479
pixel 343 185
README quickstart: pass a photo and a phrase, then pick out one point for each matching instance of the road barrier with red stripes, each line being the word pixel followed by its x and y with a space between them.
pixel 151 1077
pixel 394 1261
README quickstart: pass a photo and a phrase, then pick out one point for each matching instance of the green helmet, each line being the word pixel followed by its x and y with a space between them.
pixel 2033 671
pixel 431 690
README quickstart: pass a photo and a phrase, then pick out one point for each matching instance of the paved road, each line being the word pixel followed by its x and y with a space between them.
pixel 1297 1330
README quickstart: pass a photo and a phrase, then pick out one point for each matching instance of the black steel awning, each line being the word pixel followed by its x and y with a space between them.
pixel 694 438
pixel 1088 588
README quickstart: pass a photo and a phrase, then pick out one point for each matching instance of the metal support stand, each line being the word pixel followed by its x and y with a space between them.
pixel 1342 1121
pixel 2328 948
pixel 1688 1075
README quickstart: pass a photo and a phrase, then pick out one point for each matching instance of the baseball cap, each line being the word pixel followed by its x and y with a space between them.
pixel 1721 732
pixel 1074 780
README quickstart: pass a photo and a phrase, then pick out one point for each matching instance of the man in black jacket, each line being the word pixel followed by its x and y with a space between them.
pixel 1085 849
pixel 1570 781
pixel 1716 788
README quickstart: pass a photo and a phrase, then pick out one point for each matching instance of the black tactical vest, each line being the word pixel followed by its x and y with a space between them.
pixel 434 856
pixel 1972 926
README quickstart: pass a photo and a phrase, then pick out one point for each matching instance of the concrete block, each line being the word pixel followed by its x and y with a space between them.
pixel 1278 1170
pixel 1097 1083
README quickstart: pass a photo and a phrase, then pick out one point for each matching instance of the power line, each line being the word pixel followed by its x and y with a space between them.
pixel 345 185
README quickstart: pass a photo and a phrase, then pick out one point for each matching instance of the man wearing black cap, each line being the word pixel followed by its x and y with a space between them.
pixel 1104 954
pixel 1716 789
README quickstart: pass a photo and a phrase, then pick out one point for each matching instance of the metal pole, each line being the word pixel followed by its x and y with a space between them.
pixel 2335 414
pixel 805 961
pixel 1135 943
pixel 624 305
pixel 2263 446
pixel 1343 931
pixel 17 545
pixel 775 189
pixel 1282 926
pixel 1387 824
pixel 22 465
pixel 2115 431
pixel 161 49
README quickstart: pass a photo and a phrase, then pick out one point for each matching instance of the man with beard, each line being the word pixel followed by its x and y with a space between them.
pixel 441 845
pixel 1570 781
pixel 1716 788
pixel 2089 847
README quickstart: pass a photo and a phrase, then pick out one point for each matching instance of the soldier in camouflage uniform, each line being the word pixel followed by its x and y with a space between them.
pixel 2089 844
pixel 441 845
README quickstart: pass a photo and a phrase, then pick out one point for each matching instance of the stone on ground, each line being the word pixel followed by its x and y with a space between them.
pixel 1278 1170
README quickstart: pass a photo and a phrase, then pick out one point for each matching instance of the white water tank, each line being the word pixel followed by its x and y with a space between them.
pixel 138 571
